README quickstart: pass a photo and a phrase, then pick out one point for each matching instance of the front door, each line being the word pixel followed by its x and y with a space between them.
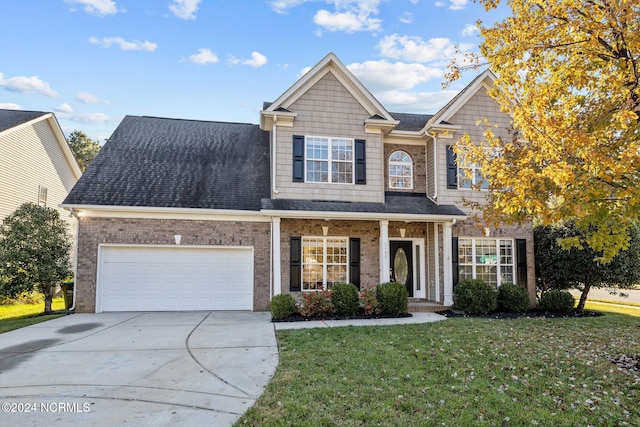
pixel 402 263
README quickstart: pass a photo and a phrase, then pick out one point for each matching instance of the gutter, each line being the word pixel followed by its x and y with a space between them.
pixel 274 135
pixel 363 216
pixel 75 266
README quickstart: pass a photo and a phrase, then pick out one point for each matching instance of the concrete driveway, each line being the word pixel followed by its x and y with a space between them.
pixel 136 369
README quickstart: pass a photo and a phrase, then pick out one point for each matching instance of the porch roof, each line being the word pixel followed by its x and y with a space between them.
pixel 401 206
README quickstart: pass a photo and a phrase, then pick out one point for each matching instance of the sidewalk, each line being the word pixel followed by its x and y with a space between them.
pixel 415 318
pixel 603 294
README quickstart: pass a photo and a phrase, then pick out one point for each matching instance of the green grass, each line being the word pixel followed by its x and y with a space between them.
pixel 612 307
pixel 461 371
pixel 17 316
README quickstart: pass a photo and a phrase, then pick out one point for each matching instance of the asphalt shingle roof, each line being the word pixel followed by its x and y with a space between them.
pixel 13 118
pixel 159 162
pixel 411 122
pixel 395 203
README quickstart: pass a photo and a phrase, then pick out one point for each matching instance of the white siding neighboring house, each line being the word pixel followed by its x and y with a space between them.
pixel 36 163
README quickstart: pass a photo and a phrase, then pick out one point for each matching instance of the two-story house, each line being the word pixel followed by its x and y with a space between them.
pixel 330 187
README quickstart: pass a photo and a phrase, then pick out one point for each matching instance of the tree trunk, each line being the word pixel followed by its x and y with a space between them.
pixel 583 297
pixel 48 297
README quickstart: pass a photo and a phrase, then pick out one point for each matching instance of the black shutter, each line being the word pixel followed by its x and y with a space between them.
pixel 354 261
pixel 452 169
pixel 295 262
pixel 361 164
pixel 521 257
pixel 298 158
pixel 455 261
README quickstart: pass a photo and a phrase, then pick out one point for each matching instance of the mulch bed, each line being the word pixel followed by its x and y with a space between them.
pixel 300 318
pixel 533 313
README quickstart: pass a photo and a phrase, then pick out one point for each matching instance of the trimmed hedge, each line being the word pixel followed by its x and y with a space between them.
pixel 283 306
pixel 474 296
pixel 557 301
pixel 344 297
pixel 393 297
pixel 513 298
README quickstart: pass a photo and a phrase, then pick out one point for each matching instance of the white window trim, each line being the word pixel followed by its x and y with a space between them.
pixel 410 163
pixel 324 263
pixel 498 263
pixel 330 160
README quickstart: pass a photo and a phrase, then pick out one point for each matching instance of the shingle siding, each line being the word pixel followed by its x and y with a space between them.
pixel 328 109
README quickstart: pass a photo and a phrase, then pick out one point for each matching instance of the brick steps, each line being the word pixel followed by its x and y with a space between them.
pixel 417 305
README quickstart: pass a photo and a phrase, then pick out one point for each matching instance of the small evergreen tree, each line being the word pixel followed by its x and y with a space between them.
pixel 34 252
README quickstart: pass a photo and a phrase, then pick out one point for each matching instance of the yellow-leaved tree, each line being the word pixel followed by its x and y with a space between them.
pixel 568 73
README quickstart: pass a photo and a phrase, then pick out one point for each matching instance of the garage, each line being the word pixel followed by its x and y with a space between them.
pixel 171 278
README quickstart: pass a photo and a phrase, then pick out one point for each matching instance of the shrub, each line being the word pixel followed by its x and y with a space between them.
pixel 393 298
pixel 474 296
pixel 283 306
pixel 344 297
pixel 557 301
pixel 369 303
pixel 316 304
pixel 513 298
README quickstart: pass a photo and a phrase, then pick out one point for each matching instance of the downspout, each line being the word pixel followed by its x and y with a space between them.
pixel 274 134
pixel 75 265
pixel 435 167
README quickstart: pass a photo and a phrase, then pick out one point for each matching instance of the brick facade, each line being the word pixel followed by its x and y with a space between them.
pixel 418 157
pixel 94 231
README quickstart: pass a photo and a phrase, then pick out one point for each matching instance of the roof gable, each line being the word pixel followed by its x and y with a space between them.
pixel 482 81
pixel 329 64
pixel 13 120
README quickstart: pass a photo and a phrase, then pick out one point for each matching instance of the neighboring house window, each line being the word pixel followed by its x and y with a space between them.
pixel 329 160
pixel 491 260
pixel 400 171
pixel 42 195
pixel 324 262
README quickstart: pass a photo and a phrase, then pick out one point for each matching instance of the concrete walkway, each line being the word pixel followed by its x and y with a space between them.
pixel 136 369
pixel 415 318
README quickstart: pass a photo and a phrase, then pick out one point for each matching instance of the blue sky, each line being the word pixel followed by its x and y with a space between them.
pixel 94 61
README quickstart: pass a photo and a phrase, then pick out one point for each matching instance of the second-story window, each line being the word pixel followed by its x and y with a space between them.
pixel 329 159
pixel 400 171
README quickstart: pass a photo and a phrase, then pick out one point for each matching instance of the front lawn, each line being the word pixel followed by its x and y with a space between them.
pixel 461 371
pixel 17 316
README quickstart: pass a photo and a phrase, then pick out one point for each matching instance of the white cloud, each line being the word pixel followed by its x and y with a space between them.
pixel 304 71
pixel 406 18
pixel 63 108
pixel 415 49
pixel 257 60
pixel 97 7
pixel 380 76
pixel 457 4
pixel 10 106
pixel 346 21
pixel 415 101
pixel 203 57
pixel 89 98
pixel 439 4
pixel 124 44
pixel 282 6
pixel 470 29
pixel 24 84
pixel 85 117
pixel 184 9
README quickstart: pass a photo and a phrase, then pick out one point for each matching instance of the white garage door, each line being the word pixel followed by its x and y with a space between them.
pixel 144 278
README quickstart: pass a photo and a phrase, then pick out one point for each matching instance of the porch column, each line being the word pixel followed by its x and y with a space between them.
pixel 384 251
pixel 275 256
pixel 447 260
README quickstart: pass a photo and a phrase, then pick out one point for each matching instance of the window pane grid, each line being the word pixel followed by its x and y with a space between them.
pixel 325 261
pixel 329 160
pixel 490 260
pixel 400 171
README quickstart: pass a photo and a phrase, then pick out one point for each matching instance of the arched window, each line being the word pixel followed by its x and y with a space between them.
pixel 400 171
